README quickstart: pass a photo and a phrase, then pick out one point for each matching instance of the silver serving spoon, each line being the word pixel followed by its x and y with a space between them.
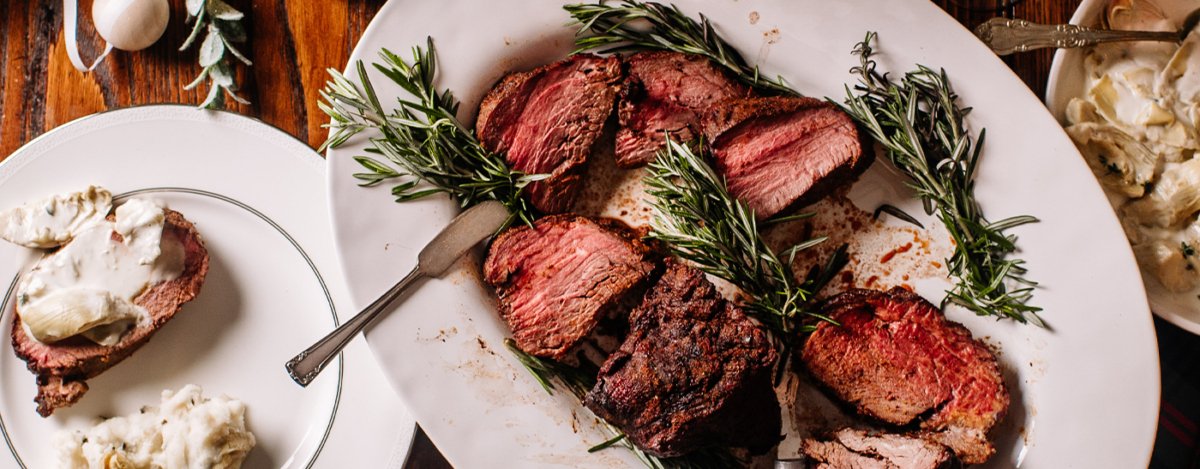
pixel 1006 36
pixel 465 231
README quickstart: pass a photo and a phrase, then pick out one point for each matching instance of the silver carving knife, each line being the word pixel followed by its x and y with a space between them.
pixel 464 232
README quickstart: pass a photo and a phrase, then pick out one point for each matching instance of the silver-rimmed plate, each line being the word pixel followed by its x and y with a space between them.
pixel 273 286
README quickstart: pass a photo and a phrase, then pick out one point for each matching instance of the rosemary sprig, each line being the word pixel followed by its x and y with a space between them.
pixel 580 379
pixel 614 28
pixel 696 217
pixel 422 139
pixel 224 27
pixel 920 124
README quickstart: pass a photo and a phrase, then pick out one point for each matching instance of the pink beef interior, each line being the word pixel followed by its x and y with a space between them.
pixel 771 161
pixel 558 278
pixel 547 120
pixel 663 92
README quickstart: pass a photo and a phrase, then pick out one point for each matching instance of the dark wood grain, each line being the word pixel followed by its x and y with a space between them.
pixel 291 45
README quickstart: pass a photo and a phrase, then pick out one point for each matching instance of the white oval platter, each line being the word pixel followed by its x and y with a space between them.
pixel 1085 391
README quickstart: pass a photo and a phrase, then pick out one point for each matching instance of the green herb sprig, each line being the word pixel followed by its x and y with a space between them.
pixel 422 139
pixel 580 379
pixel 920 124
pixel 614 29
pixel 699 221
pixel 224 27
pixel 694 215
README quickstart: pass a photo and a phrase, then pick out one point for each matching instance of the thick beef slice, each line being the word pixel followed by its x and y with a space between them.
pixel 558 278
pixel 779 154
pixel 665 91
pixel 896 358
pixel 63 367
pixel 856 449
pixel 546 121
pixel 693 372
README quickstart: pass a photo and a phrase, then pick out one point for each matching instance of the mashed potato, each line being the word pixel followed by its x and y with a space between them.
pixel 186 432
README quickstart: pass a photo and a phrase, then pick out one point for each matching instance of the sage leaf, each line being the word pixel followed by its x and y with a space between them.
pixel 203 74
pixel 232 31
pixel 236 53
pixel 223 11
pixel 213 47
pixel 194 7
pixel 215 99
pixel 196 28
pixel 221 75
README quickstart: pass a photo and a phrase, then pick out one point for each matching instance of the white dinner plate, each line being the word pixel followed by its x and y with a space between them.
pixel 1066 82
pixel 1085 391
pixel 273 287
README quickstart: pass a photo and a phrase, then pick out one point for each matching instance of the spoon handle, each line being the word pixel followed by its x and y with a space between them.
pixel 305 366
pixel 1006 36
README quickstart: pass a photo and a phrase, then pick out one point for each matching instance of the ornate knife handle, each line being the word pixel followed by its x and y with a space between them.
pixel 1006 36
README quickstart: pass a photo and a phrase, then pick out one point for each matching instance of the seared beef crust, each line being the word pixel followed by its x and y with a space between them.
pixel 693 372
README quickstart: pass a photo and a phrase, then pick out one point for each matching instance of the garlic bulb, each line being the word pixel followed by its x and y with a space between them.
pixel 131 24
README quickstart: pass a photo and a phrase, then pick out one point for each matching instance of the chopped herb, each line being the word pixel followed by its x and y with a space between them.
pixel 1111 167
pixel 1188 250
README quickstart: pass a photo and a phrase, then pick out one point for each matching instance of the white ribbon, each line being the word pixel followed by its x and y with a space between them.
pixel 70 24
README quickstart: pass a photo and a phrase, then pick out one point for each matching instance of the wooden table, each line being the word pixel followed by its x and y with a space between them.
pixel 292 43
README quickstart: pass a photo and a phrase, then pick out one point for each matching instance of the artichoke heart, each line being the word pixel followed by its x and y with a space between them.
pixel 1121 163
pixel 1175 197
pixel 96 314
pixel 55 220
pixel 1167 263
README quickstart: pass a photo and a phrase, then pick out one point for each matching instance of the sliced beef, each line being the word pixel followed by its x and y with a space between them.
pixel 62 367
pixel 897 359
pixel 855 449
pixel 666 91
pixel 693 372
pixel 546 121
pixel 781 153
pixel 557 279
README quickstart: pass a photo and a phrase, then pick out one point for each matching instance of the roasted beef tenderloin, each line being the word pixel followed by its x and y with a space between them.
pixel 856 449
pixel 779 154
pixel 547 120
pixel 665 92
pixel 693 372
pixel 63 367
pixel 557 279
pixel 897 359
